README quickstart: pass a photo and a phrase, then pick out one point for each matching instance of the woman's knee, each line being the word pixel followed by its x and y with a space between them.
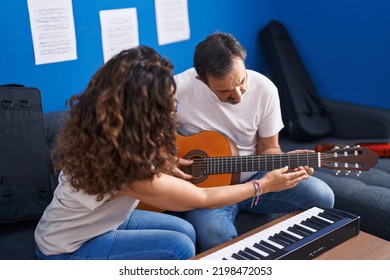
pixel 188 229
pixel 181 246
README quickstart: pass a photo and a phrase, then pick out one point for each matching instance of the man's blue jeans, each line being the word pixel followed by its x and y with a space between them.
pixel 144 236
pixel 215 226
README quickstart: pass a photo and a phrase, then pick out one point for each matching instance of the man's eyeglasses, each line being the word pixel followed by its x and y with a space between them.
pixel 175 106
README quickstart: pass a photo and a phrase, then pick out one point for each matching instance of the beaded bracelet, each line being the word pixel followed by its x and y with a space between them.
pixel 258 192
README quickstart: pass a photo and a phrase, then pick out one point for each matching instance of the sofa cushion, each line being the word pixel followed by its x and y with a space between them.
pixel 17 241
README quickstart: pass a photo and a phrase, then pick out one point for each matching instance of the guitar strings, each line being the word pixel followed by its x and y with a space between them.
pixel 233 164
pixel 214 163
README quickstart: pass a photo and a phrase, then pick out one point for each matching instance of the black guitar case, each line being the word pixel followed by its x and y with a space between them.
pixel 25 185
pixel 304 115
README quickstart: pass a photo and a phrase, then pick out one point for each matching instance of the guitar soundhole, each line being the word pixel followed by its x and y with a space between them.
pixel 197 169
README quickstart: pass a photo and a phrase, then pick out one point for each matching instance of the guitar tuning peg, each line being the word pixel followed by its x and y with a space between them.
pixel 337 172
pixel 358 173
pixel 347 172
pixel 347 146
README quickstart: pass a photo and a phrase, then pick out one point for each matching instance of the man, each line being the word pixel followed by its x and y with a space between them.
pixel 220 94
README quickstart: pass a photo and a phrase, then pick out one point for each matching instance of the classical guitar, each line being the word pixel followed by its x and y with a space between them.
pixel 217 163
pixel 216 159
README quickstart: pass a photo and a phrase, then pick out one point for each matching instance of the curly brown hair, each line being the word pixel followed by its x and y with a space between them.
pixel 121 128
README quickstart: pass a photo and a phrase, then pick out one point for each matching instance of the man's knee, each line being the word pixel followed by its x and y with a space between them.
pixel 319 193
pixel 211 236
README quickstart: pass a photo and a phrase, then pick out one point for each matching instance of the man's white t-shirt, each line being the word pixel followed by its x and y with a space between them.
pixel 258 113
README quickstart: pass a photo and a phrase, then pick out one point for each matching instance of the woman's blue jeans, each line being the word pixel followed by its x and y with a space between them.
pixel 215 226
pixel 145 235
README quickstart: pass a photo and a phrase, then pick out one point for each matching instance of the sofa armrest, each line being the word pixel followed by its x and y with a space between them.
pixel 351 121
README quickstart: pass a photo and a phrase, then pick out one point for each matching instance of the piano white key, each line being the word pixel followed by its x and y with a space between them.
pixel 297 219
pixel 261 252
pixel 294 234
pixel 325 219
pixel 255 250
pixel 278 228
pixel 229 250
pixel 290 222
pixel 309 228
pixel 273 243
pixel 259 236
pixel 285 229
pixel 221 254
pixel 249 242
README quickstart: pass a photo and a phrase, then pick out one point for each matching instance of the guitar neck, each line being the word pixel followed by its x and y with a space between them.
pixel 235 164
pixel 219 157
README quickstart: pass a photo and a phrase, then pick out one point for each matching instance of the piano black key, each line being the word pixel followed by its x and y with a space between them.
pixel 314 222
pixel 254 253
pixel 238 257
pixel 247 255
pixel 305 230
pixel 333 214
pixel 268 245
pixel 327 216
pixel 279 241
pixel 309 224
pixel 284 238
pixel 290 236
pixel 321 221
pixel 263 248
pixel 297 231
pixel 342 214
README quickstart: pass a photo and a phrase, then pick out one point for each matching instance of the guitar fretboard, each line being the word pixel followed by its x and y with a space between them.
pixel 220 165
pixel 351 159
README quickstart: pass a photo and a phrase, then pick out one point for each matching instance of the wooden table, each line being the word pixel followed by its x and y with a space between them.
pixel 364 246
pixel 361 247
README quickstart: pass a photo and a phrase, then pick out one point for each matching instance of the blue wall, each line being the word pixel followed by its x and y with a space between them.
pixel 343 44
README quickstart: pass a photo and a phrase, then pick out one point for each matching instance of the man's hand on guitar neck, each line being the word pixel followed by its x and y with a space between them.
pixel 308 169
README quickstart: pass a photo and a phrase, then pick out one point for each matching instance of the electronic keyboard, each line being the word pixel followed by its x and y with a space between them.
pixel 301 237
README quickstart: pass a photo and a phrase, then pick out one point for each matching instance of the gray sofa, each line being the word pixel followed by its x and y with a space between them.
pixel 367 195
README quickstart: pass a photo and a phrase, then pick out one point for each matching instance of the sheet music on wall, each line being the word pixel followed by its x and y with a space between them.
pixel 119 29
pixel 172 21
pixel 53 31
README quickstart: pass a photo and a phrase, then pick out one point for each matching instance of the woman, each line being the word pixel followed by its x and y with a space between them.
pixel 118 147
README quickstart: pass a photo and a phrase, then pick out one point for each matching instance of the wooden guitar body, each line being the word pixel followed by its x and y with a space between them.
pixel 208 144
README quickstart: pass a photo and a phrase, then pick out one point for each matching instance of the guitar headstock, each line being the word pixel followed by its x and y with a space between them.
pixel 349 159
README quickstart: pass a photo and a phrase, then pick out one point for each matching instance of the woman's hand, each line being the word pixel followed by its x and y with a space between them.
pixel 177 172
pixel 283 178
